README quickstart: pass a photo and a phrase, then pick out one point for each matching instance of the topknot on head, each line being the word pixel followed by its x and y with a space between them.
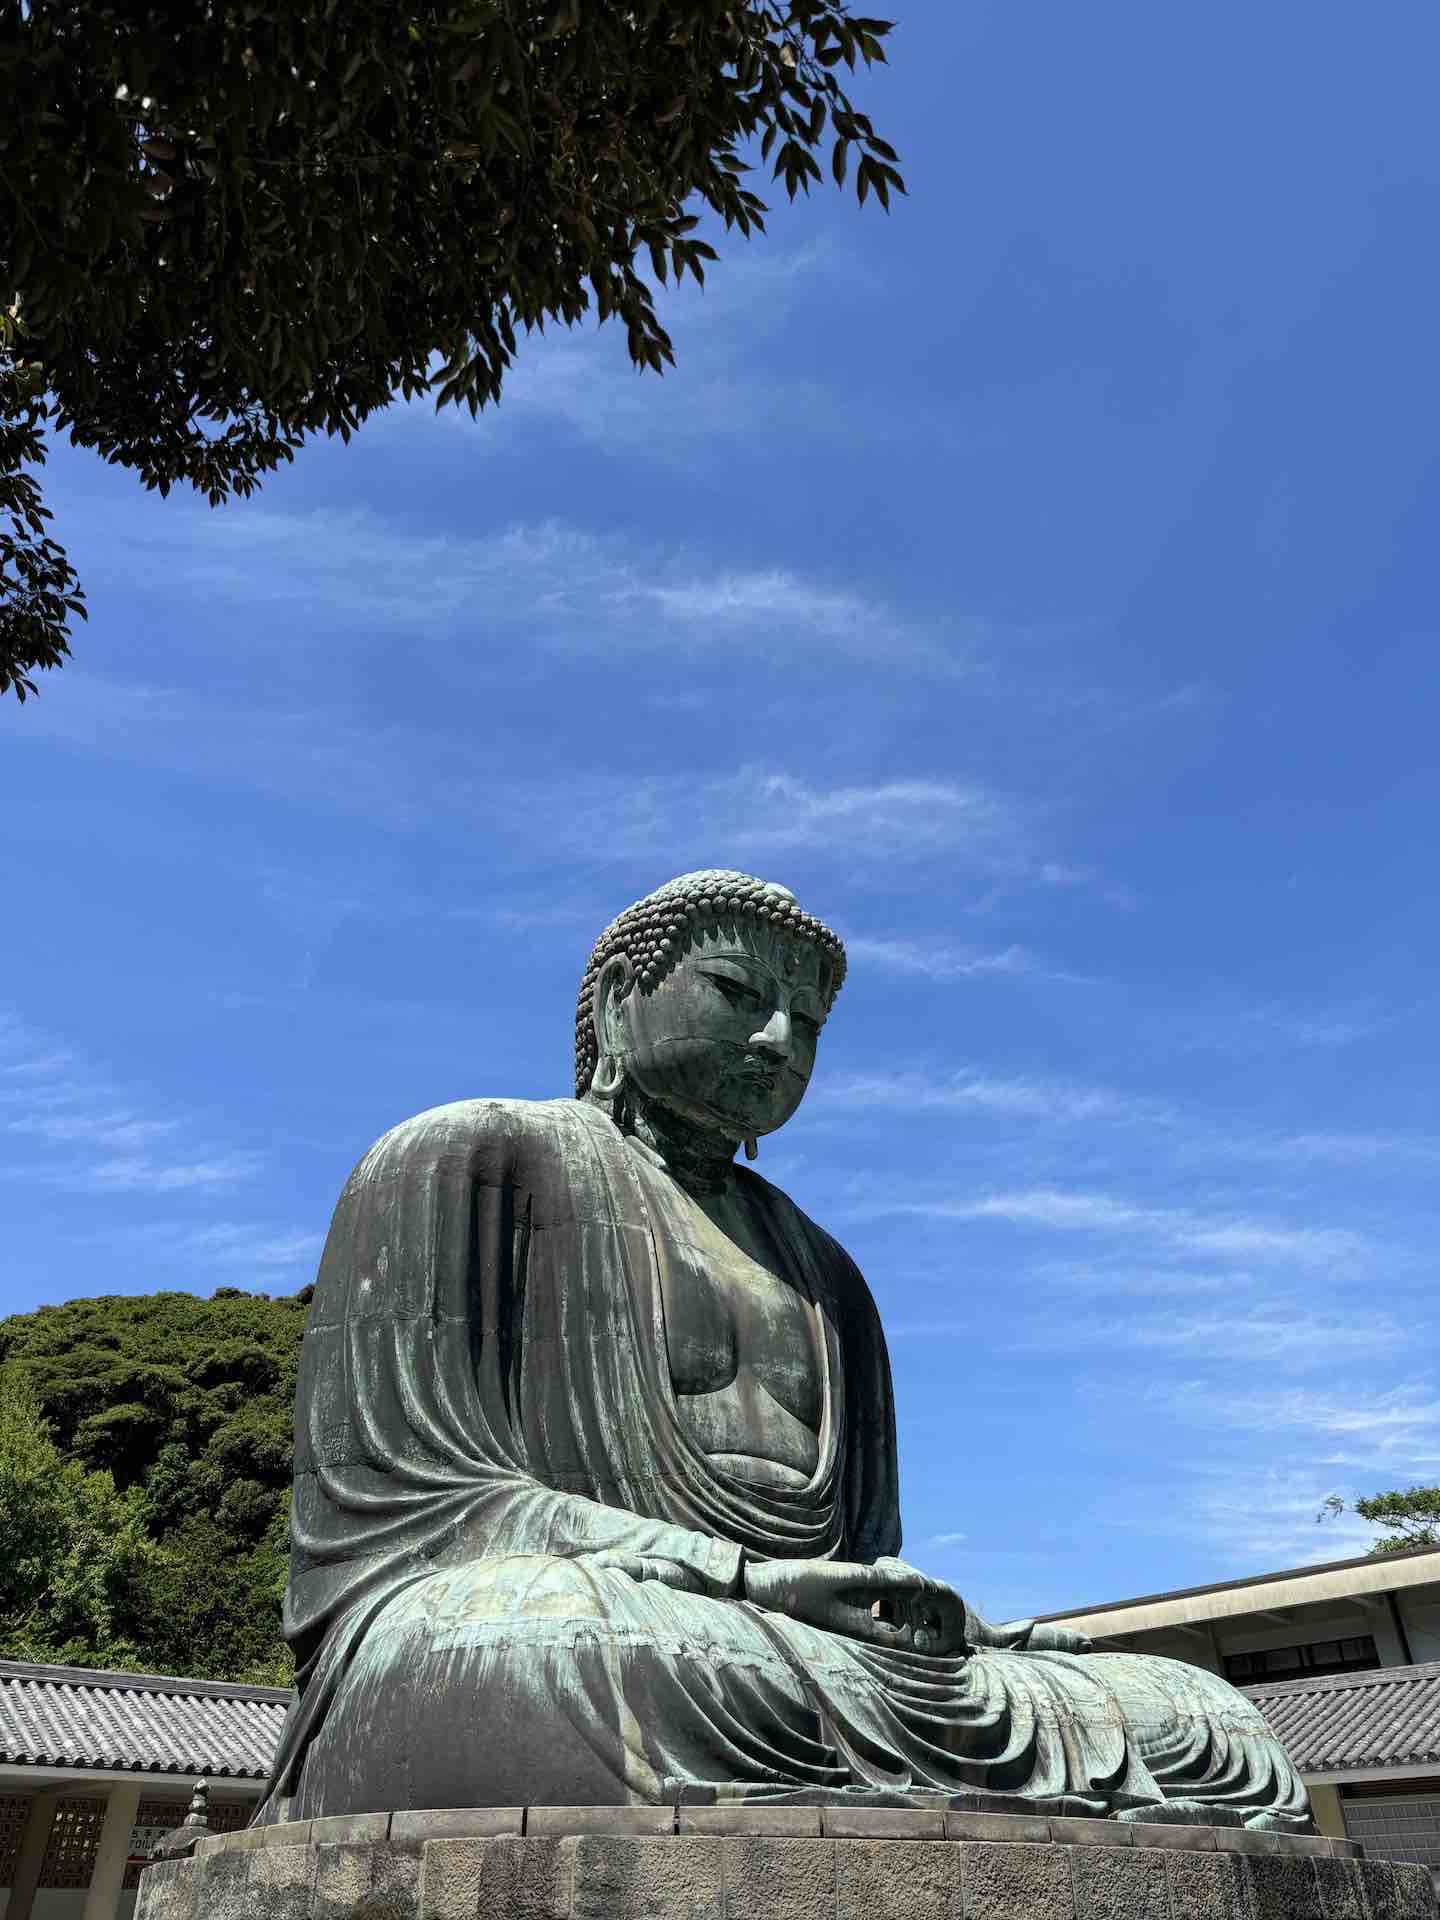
pixel 654 932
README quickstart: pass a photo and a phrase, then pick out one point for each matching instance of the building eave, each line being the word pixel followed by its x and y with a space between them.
pixel 79 1779
pixel 1332 1580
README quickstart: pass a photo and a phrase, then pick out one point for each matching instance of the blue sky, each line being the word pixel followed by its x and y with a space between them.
pixel 1042 582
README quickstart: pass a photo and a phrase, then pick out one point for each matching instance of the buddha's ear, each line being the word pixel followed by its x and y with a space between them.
pixel 612 983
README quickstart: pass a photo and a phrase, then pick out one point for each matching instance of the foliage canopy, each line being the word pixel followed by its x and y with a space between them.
pixel 145 1450
pixel 1413 1512
pixel 228 227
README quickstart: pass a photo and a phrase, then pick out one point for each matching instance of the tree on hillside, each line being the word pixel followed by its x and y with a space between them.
pixel 224 229
pixel 145 1458
pixel 75 1549
pixel 1413 1512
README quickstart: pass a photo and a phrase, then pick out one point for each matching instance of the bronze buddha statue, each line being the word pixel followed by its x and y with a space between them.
pixel 595 1482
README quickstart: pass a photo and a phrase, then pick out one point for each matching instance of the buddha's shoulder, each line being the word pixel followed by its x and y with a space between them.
pixel 503 1131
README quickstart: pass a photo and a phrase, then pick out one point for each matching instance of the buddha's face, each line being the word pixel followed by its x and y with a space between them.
pixel 727 1039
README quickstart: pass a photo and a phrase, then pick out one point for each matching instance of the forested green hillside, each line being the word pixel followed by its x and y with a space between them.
pixel 144 1482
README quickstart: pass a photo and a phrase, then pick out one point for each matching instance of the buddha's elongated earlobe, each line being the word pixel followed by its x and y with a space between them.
pixel 608 1077
pixel 612 983
pixel 752 1151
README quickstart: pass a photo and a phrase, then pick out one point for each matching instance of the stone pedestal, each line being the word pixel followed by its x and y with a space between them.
pixel 771 1863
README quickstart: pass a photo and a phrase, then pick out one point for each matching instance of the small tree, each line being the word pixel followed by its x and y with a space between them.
pixel 1413 1512
pixel 75 1550
pixel 225 228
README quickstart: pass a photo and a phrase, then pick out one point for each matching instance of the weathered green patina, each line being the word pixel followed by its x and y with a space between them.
pixel 595 1484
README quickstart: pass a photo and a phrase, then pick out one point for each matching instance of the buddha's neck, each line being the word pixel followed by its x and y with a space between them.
pixel 701 1161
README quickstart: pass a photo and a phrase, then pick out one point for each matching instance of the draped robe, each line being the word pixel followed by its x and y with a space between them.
pixel 485 1411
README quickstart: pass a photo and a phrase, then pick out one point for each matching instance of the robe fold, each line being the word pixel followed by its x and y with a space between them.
pixel 485 1413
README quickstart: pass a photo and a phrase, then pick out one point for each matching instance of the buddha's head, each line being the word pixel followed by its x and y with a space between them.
pixel 705 1000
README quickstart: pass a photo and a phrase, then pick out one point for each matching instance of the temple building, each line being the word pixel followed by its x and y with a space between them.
pixel 95 1767
pixel 1343 1659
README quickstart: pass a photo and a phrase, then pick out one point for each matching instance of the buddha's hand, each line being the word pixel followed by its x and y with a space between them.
pixel 1028 1636
pixel 886 1603
pixel 1048 1639
pixel 646 1566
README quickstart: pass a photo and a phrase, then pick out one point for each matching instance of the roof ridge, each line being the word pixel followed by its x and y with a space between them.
pixel 1337 1682
pixel 112 1680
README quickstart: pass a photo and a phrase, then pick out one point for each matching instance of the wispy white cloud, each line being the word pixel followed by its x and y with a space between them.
pixel 231 1245
pixel 943 1329
pixel 298 753
pixel 721 390
pixel 314 905
pixel 971 1089
pixel 1289 1332
pixel 1375 1425
pixel 1320 1032
pixel 560 583
pixel 1251 1462
pixel 762 812
pixel 1269 1520
pixel 139 1173
pixel 1185 1135
pixel 1357 1150
pixel 1061 873
pixel 1155 1281
pixel 530 919
pixel 899 816
pixel 1246 1030
pixel 753 814
pixel 117 1132
pixel 777 599
pixel 247 1245
pixel 90 1137
pixel 937 960
pixel 310 904
pixel 1051 1209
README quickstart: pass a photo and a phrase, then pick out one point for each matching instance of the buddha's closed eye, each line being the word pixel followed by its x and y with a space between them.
pixel 736 992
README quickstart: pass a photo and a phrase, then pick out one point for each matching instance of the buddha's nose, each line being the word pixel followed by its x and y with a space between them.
pixel 774 1037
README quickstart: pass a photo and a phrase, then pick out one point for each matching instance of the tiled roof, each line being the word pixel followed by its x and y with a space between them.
pixel 136 1722
pixel 1389 1717
pixel 146 1723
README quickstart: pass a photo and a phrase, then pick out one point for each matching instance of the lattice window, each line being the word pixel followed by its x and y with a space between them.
pixel 74 1841
pixel 14 1808
pixel 161 1813
pixel 1396 1829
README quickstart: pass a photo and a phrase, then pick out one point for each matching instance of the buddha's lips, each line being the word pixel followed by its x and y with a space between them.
pixel 761 1077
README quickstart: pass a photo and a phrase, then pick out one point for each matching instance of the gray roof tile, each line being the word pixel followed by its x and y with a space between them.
pixel 1389 1717
pixel 140 1723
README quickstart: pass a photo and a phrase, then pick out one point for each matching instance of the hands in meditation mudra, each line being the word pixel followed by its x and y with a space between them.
pixel 595 1488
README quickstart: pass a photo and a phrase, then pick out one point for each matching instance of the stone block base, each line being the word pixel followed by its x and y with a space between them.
pixel 771 1863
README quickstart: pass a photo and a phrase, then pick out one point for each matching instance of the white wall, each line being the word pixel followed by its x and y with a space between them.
pixel 66 1903
pixel 1422 1624
pixel 58 1903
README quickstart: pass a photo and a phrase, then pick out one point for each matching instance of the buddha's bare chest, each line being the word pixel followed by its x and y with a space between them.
pixel 744 1358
